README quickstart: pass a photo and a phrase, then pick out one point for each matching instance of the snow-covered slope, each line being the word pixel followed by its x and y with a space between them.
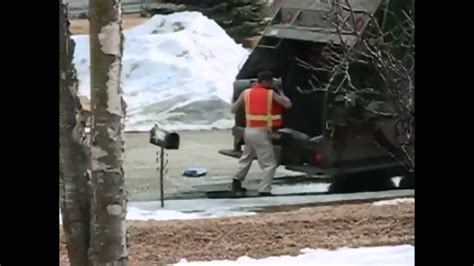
pixel 178 72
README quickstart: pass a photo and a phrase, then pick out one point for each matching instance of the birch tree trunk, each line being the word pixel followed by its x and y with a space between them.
pixel 74 179
pixel 108 235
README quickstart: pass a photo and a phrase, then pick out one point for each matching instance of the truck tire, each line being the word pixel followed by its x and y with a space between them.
pixel 361 182
pixel 407 182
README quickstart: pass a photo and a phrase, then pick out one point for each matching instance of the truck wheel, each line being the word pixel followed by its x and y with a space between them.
pixel 407 182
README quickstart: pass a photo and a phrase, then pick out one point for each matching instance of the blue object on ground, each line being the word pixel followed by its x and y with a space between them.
pixel 195 172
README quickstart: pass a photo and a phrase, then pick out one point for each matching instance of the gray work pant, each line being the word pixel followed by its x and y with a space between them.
pixel 258 143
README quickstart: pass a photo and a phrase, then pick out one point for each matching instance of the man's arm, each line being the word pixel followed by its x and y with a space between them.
pixel 282 99
pixel 238 102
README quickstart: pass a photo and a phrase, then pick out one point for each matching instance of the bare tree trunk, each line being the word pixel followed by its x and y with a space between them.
pixel 74 179
pixel 109 204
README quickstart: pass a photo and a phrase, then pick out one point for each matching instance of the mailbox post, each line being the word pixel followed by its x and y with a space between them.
pixel 165 140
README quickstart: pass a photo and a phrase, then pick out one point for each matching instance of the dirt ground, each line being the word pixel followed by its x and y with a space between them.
pixel 268 234
pixel 81 26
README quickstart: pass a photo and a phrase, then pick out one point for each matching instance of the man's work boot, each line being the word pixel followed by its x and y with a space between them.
pixel 237 186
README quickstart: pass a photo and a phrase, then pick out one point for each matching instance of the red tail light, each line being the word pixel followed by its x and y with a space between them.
pixel 317 157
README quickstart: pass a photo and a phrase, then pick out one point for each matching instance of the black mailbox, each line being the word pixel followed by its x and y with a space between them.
pixel 164 139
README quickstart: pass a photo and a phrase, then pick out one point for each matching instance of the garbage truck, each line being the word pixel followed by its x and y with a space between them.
pixel 324 134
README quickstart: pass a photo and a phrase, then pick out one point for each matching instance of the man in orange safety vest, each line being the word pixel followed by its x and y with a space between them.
pixel 263 114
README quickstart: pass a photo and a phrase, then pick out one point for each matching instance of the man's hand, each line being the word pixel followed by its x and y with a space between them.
pixel 282 99
pixel 238 102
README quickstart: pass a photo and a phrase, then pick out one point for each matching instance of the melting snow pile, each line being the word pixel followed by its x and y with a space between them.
pixel 385 255
pixel 178 72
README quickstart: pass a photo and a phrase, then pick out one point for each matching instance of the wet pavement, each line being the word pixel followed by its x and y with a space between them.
pixel 197 149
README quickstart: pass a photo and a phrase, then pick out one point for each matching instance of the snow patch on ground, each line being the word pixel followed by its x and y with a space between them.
pixel 394 201
pixel 300 188
pixel 166 214
pixel 178 72
pixel 396 180
pixel 384 255
pixel 161 215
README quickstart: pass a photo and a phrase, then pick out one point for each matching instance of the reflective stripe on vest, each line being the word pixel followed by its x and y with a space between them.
pixel 268 118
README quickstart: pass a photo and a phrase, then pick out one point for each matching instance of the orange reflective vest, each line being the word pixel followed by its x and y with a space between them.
pixel 260 108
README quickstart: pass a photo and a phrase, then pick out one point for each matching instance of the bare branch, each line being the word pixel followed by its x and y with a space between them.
pixel 382 49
